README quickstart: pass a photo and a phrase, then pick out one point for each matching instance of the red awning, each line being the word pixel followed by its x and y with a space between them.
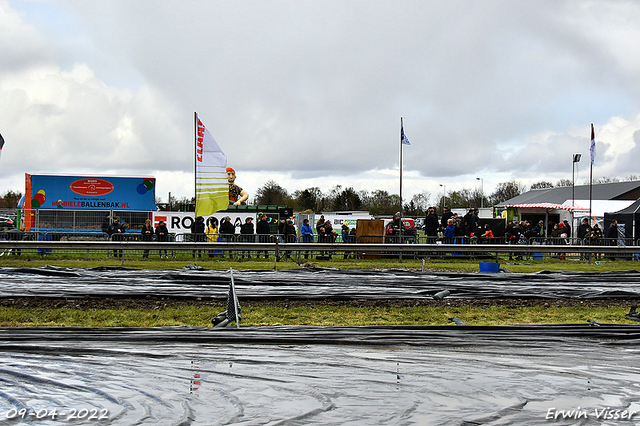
pixel 566 207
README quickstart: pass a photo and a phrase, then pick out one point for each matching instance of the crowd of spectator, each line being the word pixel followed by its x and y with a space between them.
pixel 449 228
pixel 560 233
pixel 525 230
pixel 452 226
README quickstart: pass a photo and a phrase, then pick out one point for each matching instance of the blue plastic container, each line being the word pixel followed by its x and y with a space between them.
pixel 537 256
pixel 489 267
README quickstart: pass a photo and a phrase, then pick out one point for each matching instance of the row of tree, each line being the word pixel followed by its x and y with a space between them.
pixel 377 202
pixel 10 199
pixel 567 182
pixel 380 202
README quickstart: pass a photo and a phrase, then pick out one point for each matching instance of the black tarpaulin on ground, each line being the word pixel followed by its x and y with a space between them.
pixel 374 375
pixel 313 284
pixel 432 375
pixel 418 335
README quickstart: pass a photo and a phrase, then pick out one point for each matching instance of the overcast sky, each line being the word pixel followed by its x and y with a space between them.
pixel 310 93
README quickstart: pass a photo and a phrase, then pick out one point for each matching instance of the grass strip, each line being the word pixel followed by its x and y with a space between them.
pixel 14 316
pixel 200 316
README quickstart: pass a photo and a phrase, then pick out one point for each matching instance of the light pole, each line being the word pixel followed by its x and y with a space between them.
pixel 576 159
pixel 481 192
pixel 444 196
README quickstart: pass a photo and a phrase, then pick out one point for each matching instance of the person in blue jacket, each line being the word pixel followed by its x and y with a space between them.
pixel 307 234
pixel 449 232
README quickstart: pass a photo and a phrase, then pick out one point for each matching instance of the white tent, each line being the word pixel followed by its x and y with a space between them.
pixel 600 207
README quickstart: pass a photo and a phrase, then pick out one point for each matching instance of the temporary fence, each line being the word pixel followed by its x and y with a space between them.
pixel 64 237
pixel 131 246
pixel 71 221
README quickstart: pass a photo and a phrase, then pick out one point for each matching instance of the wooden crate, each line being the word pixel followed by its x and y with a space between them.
pixel 370 231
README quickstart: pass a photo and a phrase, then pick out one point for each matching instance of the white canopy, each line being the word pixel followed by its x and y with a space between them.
pixel 566 206
pixel 600 207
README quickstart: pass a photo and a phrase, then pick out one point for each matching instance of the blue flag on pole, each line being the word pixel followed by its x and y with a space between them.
pixel 403 137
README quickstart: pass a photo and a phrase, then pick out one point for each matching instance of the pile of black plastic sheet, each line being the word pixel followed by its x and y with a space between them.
pixel 313 284
pixel 435 375
pixel 375 375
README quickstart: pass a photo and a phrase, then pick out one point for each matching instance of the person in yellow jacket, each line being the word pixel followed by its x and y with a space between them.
pixel 212 232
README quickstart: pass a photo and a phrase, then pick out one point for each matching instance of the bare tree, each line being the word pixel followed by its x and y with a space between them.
pixel 183 204
pixel 477 198
pixel 273 194
pixel 604 179
pixel 543 184
pixel 381 203
pixel 9 199
pixel 365 198
pixel 460 199
pixel 329 198
pixel 506 190
pixel 421 202
pixel 348 199
pixel 564 182
pixel 308 199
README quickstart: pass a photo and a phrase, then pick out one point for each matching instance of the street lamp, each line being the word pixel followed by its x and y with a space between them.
pixel 481 192
pixel 576 159
pixel 444 196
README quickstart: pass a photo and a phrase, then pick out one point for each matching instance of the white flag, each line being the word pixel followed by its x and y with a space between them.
pixel 212 186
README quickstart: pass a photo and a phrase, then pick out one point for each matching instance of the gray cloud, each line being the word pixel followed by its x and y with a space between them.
pixel 318 89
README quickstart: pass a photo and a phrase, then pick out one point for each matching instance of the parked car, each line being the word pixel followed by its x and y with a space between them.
pixel 7 223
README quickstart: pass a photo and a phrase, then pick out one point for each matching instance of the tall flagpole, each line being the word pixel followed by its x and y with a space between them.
pixel 401 127
pixel 401 215
pixel 592 157
pixel 590 187
pixel 195 162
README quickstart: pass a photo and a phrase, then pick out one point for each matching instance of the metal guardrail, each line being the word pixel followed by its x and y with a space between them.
pixel 414 249
pixel 250 238
pixel 387 239
pixel 68 236
pixel 238 245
